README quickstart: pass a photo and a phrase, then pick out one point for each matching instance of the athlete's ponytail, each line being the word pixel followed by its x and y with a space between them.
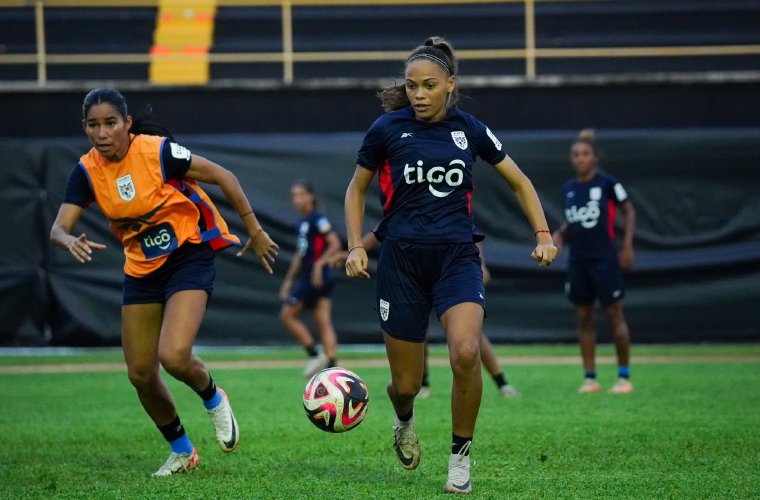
pixel 435 49
pixel 150 124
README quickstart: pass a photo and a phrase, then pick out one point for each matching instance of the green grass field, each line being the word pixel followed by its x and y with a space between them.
pixel 691 430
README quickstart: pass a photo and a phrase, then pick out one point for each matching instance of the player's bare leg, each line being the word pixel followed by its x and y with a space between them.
pixel 491 363
pixel 586 319
pixel 323 323
pixel 622 338
pixel 463 324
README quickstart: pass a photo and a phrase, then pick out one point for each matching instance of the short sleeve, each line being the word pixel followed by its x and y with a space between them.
pixel 323 225
pixel 618 192
pixel 175 160
pixel 488 147
pixel 78 190
pixel 372 152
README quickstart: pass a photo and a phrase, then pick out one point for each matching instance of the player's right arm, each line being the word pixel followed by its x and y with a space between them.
pixel 558 236
pixel 60 234
pixel 356 196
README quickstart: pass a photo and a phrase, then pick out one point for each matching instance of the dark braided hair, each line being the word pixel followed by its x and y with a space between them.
pixel 436 49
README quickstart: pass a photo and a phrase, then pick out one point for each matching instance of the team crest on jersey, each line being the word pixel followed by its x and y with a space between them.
pixel 126 187
pixel 459 139
pixel 384 309
pixel 595 193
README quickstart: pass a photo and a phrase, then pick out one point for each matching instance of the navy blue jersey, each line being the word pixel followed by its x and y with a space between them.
pixel 312 240
pixel 590 209
pixel 425 173
pixel 175 161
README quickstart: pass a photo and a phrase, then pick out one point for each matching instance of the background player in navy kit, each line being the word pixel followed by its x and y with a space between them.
pixel 423 150
pixel 316 247
pixel 595 268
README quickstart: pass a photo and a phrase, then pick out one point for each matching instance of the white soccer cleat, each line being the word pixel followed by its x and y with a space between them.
pixel 509 392
pixel 622 386
pixel 425 392
pixel 406 444
pixel 459 472
pixel 225 425
pixel 590 386
pixel 179 463
pixel 315 364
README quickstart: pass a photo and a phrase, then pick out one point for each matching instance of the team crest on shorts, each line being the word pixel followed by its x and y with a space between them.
pixel 384 309
pixel 126 187
pixel 459 139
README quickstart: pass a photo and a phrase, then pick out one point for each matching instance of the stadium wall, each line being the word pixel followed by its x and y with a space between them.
pixel 697 274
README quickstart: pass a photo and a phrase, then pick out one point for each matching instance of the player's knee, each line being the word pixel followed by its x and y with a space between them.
pixel 287 315
pixel 174 361
pixel 465 357
pixel 407 387
pixel 141 377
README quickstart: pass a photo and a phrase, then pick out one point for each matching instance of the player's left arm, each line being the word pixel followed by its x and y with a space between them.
pixel 545 251
pixel 204 170
pixel 629 225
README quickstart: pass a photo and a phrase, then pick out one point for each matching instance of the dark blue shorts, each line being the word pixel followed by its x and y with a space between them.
pixel 190 267
pixel 588 280
pixel 414 278
pixel 307 294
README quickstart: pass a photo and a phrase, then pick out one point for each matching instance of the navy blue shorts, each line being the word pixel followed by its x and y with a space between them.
pixel 190 267
pixel 413 279
pixel 307 294
pixel 588 280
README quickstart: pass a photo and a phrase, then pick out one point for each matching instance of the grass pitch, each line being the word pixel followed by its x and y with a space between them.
pixel 690 430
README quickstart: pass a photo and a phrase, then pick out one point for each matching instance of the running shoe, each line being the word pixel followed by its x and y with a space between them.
pixel 315 364
pixel 509 392
pixel 459 472
pixel 179 463
pixel 590 385
pixel 406 444
pixel 622 386
pixel 225 425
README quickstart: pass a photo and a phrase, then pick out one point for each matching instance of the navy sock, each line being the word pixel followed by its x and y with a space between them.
pixel 311 350
pixel 407 417
pixel 499 379
pixel 425 381
pixel 332 362
pixel 590 374
pixel 457 444
pixel 624 372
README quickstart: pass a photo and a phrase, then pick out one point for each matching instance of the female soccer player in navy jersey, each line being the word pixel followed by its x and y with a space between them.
pixel 595 268
pixel 423 150
pixel 309 280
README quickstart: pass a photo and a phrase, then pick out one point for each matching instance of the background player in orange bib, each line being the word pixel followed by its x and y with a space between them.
pixel 145 184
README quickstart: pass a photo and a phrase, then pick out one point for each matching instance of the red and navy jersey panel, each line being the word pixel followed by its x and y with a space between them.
pixel 312 240
pixel 425 173
pixel 590 210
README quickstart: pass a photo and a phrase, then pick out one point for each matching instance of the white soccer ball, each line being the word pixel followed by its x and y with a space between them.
pixel 336 400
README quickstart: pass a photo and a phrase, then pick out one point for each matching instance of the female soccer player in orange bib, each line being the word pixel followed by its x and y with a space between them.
pixel 145 184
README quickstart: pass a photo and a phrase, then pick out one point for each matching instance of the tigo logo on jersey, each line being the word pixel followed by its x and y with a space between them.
pixel 158 240
pixel 587 215
pixel 459 139
pixel 384 309
pixel 126 188
pixel 436 176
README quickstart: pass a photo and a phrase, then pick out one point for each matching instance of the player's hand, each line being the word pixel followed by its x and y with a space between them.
pixel 356 263
pixel 626 258
pixel 263 246
pixel 557 240
pixel 317 277
pixel 81 248
pixel 544 253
